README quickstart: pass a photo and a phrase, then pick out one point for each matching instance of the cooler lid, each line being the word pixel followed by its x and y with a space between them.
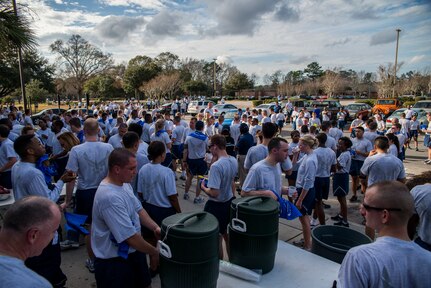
pixel 255 205
pixel 194 224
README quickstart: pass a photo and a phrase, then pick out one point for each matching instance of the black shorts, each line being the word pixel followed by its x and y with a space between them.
pixel 177 151
pixel 355 168
pixel 48 265
pixel 308 202
pixel 293 175
pixel 168 160
pixel 119 272
pixel 341 184
pixel 413 133
pixel 220 210
pixel 321 186
pixel 158 214
pixel 6 179
pixel 197 166
pixel 84 200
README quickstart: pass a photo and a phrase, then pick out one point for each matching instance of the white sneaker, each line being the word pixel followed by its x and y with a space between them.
pixel 314 222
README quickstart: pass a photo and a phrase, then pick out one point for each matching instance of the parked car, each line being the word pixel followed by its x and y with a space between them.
pixel 84 111
pixel 386 106
pixel 228 117
pixel 333 106
pixel 355 109
pixel 266 107
pixel 221 109
pixel 35 117
pixel 299 103
pixel 423 104
pixel 196 107
pixel 166 108
pixel 421 116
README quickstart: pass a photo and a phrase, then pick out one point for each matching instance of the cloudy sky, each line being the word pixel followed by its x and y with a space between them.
pixel 259 36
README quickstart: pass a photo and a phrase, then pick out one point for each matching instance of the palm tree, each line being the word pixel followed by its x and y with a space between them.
pixel 15 29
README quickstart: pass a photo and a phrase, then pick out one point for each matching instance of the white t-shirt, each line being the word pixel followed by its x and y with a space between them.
pixel 388 262
pixel 393 150
pixel 6 151
pixel 345 162
pixel 363 145
pixel 163 137
pixel 115 141
pixel 307 171
pixel 178 134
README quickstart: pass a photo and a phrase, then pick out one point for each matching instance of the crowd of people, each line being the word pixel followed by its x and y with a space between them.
pixel 120 165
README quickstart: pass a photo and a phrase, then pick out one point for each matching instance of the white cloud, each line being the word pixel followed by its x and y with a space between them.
pixel 417 59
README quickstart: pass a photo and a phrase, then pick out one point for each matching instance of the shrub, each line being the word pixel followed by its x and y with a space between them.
pixel 370 102
pixel 257 102
pixel 419 98
pixel 408 103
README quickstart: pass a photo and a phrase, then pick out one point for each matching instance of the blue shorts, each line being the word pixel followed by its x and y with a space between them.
pixel 413 133
pixel 427 141
pixel 120 272
pixel 177 151
pixel 197 166
pixel 308 202
pixel 220 210
pixel 280 123
pixel 340 184
pixel 321 186
pixel 84 203
pixel 355 168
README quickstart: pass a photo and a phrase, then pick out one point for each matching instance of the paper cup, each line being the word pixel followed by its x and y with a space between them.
pixel 292 190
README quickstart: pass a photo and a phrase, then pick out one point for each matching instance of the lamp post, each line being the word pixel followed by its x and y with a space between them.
pixel 20 65
pixel 215 83
pixel 396 62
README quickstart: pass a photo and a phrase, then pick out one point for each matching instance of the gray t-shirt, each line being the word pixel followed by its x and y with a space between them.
pixel 307 171
pixel 388 262
pixel 331 143
pixel 156 183
pixel 196 147
pixel 142 160
pixel 178 134
pixel 90 161
pixel 258 153
pixel 371 136
pixel 422 197
pixel 263 176
pixel 6 152
pixel 221 175
pixel 381 167
pixel 115 141
pixel 335 133
pixel 163 137
pixel 14 273
pixel 363 145
pixel 345 162
pixel 325 159
pixel 115 214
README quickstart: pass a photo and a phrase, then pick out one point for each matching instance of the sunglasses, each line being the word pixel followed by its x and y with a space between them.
pixel 368 207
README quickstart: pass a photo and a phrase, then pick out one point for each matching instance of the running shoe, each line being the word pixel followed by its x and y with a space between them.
pixel 198 200
pixel 89 263
pixel 186 196
pixel 68 244
pixel 342 223
pixel 337 217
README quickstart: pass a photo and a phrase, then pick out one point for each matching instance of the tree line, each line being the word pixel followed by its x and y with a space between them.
pixel 82 68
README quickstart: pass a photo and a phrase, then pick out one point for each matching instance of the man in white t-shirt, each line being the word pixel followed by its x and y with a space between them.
pixel 392 260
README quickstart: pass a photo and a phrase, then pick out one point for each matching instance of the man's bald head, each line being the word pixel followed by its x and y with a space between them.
pixel 91 127
pixel 392 194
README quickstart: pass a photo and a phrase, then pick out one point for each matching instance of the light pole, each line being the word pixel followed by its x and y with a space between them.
pixel 396 62
pixel 20 65
pixel 215 83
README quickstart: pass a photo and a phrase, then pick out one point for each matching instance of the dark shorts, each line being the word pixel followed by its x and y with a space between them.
pixel 355 168
pixel 221 211
pixel 197 166
pixel 6 179
pixel 158 214
pixel 341 184
pixel 177 151
pixel 292 176
pixel 413 133
pixel 48 264
pixel 308 202
pixel 84 203
pixel 321 186
pixel 427 141
pixel 61 167
pixel 280 123
pixel 119 272
pixel 168 160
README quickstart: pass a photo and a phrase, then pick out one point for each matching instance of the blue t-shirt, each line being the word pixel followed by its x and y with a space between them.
pixel 245 142
pixel 14 273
